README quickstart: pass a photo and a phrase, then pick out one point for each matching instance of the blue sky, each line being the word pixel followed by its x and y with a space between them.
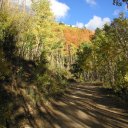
pixel 88 13
pixel 84 13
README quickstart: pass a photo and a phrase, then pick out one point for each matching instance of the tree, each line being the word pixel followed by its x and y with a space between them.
pixel 120 2
pixel 107 59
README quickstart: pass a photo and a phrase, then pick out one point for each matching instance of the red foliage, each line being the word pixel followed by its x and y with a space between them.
pixel 77 36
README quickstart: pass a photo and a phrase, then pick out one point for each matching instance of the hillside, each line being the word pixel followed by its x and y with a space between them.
pixel 76 35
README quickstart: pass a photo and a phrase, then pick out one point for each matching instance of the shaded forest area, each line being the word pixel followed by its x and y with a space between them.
pixel 35 60
pixel 40 57
pixel 105 59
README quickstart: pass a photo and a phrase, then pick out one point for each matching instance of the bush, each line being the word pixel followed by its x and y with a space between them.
pixel 51 85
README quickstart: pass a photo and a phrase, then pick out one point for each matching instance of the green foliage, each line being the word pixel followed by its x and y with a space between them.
pixel 83 62
pixel 51 85
pixel 107 59
pixel 30 50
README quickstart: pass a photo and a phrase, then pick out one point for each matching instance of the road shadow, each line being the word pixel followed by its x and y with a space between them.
pixel 85 106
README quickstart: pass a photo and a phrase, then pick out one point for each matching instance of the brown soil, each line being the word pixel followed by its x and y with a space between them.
pixel 87 106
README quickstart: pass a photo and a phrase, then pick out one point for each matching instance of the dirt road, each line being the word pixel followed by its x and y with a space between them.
pixel 88 106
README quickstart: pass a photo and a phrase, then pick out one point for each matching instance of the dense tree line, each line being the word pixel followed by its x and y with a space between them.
pixel 105 59
pixel 32 60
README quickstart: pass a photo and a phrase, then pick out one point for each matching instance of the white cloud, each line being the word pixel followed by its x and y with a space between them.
pixel 79 25
pixel 59 9
pixel 97 22
pixel 91 2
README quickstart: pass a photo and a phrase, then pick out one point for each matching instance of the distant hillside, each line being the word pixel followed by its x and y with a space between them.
pixel 76 35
